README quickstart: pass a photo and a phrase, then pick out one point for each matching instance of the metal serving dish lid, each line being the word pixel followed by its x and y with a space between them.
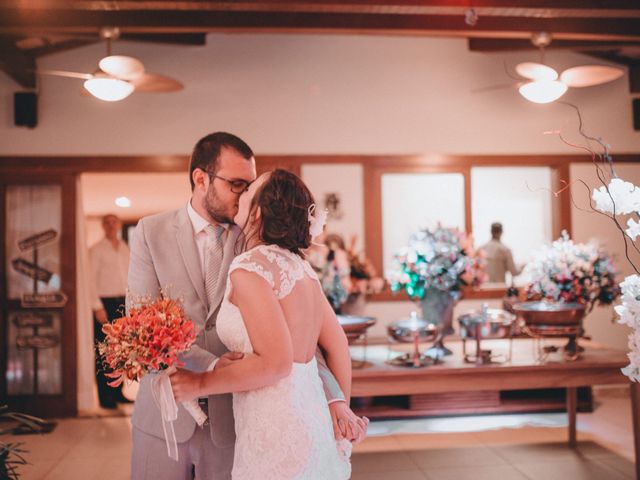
pixel 493 323
pixel 404 330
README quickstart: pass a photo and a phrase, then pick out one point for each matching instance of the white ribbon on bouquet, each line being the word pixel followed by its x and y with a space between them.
pixel 163 396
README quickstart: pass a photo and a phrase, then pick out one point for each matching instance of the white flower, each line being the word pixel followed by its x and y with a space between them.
pixel 629 311
pixel 634 229
pixel 625 195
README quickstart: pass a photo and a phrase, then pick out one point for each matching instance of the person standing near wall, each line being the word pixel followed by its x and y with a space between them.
pixel 499 257
pixel 109 260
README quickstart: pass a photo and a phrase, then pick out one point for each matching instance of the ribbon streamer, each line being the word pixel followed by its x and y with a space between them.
pixel 163 396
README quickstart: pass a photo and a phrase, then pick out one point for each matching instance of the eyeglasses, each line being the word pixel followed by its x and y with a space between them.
pixel 236 186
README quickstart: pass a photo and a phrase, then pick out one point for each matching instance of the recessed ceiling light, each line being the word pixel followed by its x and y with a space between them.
pixel 123 202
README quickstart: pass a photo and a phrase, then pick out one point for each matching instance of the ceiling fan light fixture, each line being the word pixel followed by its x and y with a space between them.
pixel 543 91
pixel 108 89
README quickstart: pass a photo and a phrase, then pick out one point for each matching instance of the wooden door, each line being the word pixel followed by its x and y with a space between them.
pixel 38 294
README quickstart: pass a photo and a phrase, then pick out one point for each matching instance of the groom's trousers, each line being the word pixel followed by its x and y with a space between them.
pixel 150 460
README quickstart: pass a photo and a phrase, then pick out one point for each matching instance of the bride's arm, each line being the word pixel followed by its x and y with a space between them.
pixel 272 357
pixel 336 347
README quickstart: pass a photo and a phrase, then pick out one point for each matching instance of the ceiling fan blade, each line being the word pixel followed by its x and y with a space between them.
pixel 122 66
pixel 62 73
pixel 154 83
pixel 590 75
pixel 536 71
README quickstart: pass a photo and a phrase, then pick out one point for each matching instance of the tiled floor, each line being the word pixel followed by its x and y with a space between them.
pixel 99 448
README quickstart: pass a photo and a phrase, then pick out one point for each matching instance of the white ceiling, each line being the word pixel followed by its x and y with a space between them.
pixel 149 193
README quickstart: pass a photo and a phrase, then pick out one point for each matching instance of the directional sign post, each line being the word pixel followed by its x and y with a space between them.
pixel 31 270
pixel 35 341
pixel 44 300
pixel 37 240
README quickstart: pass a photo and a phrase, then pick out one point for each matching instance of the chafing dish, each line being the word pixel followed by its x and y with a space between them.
pixel 543 320
pixel 550 313
pixel 405 330
pixel 355 327
pixel 488 323
pixel 485 324
pixel 412 330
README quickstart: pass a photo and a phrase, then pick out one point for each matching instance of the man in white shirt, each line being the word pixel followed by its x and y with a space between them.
pixel 499 257
pixel 109 268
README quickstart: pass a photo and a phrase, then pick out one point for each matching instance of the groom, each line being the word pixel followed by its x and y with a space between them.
pixel 188 253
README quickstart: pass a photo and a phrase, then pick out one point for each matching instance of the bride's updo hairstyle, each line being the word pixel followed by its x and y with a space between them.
pixel 284 201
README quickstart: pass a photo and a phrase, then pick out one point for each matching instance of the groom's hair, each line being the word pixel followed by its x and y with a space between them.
pixel 206 153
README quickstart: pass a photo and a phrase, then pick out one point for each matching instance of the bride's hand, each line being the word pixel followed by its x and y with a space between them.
pixel 347 424
pixel 186 385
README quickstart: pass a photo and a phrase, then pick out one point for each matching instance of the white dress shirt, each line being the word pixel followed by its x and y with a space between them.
pixel 203 242
pixel 109 269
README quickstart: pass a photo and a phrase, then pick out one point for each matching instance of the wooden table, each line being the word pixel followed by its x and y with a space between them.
pixel 598 366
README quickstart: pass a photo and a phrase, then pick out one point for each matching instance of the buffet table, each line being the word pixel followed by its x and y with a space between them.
pixel 597 366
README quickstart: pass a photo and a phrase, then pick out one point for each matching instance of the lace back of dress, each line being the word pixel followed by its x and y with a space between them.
pixel 281 268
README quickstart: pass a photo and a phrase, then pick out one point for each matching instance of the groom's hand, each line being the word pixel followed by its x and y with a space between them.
pixel 347 424
pixel 228 358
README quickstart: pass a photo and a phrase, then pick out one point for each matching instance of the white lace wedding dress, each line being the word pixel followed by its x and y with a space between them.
pixel 283 431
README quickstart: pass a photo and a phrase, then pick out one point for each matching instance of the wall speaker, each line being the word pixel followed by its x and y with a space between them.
pixel 636 114
pixel 25 109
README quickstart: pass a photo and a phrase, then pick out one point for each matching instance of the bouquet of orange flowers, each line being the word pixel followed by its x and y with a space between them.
pixel 149 339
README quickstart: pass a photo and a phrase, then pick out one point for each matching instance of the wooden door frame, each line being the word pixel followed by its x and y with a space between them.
pixel 66 403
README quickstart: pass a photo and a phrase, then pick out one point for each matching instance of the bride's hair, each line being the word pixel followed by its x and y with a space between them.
pixel 284 201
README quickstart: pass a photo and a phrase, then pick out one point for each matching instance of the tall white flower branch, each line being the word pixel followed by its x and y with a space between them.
pixel 613 198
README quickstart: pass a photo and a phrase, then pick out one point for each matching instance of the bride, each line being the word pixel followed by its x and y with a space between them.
pixel 274 311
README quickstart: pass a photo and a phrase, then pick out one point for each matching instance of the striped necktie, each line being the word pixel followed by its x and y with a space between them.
pixel 213 261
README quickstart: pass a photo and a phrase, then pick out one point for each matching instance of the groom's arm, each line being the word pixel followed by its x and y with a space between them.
pixel 331 387
pixel 143 282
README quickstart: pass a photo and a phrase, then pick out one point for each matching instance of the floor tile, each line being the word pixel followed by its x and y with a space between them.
pixel 574 469
pixel 456 457
pixel 500 472
pixel 382 462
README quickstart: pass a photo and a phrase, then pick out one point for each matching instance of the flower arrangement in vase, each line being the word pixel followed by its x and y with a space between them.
pixel 570 272
pixel 432 269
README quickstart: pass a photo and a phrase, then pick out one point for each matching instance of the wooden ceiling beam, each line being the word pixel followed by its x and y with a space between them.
pixel 23 22
pixel 534 8
pixel 196 39
pixel 19 65
pixel 490 45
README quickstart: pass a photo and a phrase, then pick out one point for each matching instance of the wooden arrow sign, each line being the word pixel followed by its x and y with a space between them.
pixel 37 240
pixel 31 270
pixel 40 342
pixel 33 320
pixel 44 300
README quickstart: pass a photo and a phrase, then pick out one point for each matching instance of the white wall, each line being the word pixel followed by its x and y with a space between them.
pixel 314 94
pixel 346 181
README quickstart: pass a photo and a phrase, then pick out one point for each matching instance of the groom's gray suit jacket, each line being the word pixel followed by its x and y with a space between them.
pixel 164 255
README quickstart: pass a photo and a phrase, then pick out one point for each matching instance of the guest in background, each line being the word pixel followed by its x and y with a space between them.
pixel 499 257
pixel 109 259
pixel 330 260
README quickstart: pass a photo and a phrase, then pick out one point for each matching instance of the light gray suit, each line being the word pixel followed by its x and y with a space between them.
pixel 164 255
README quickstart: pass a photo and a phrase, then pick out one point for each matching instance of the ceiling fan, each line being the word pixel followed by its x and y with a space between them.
pixel 118 76
pixel 539 83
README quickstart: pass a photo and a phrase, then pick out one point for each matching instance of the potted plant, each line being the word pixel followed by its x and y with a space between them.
pixel 12 453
